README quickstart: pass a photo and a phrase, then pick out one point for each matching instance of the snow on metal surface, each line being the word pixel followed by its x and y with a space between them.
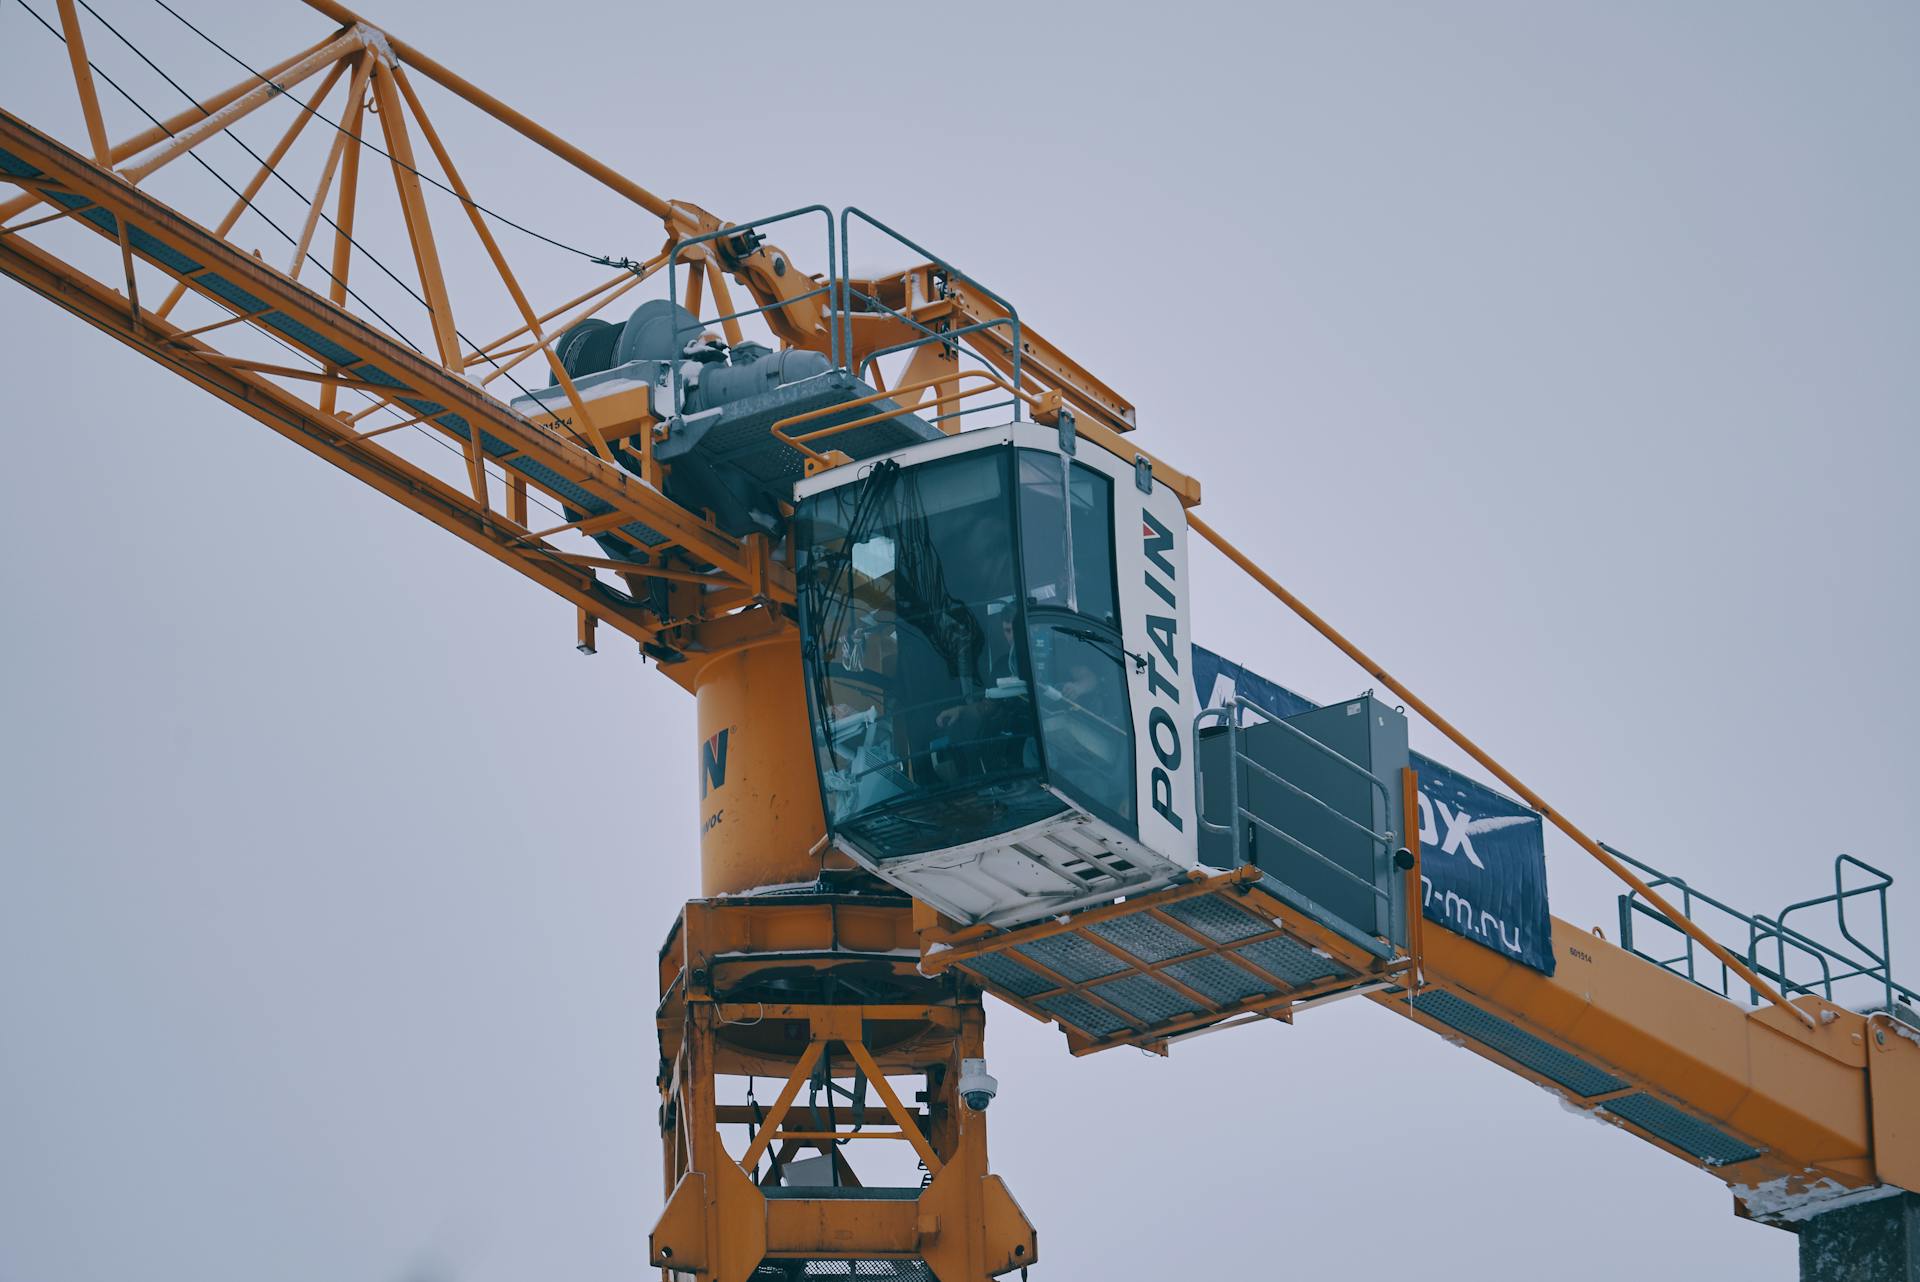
pixel 1794 1197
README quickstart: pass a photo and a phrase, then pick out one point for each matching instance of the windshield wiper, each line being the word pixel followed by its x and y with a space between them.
pixel 1107 643
pixel 874 488
pixel 872 493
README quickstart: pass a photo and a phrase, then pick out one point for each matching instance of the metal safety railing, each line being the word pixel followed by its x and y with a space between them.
pixel 1242 819
pixel 1797 961
pixel 846 300
pixel 950 339
pixel 849 300
pixel 948 392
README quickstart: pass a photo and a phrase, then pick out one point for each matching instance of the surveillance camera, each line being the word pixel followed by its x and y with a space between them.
pixel 977 1085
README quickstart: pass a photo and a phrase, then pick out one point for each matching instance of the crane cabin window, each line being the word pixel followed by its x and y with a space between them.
pixel 966 673
pixel 1066 519
pixel 923 712
pixel 1073 616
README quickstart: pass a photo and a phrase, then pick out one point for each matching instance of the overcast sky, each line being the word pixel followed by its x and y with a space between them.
pixel 1562 354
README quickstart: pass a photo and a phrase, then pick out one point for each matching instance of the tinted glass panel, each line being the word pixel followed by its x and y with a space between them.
pixel 1069 564
pixel 1043 537
pixel 1082 691
pixel 922 704
pixel 1092 512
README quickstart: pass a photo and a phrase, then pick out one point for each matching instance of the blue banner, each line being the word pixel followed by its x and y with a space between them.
pixel 1483 855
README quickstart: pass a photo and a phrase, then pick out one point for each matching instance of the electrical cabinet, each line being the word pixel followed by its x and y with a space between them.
pixel 1314 801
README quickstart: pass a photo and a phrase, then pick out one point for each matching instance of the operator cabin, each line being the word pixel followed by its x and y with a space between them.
pixel 998 685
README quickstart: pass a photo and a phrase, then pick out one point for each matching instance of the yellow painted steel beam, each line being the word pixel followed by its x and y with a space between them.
pixel 266 169
pixel 719 1225
pixel 251 391
pixel 600 296
pixel 352 117
pixel 356 91
pixel 1038 357
pixel 795 318
pixel 1799 1092
pixel 526 127
pixel 413 207
pixel 626 494
pixel 320 434
pixel 184 140
pixel 139 142
pixel 83 81
pixel 499 260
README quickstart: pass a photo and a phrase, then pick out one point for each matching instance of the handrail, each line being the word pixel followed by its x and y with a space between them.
pixel 944 337
pixel 1505 776
pixel 1238 811
pixel 1381 839
pixel 803 442
pixel 1886 881
pixel 1839 901
pixel 1870 964
pixel 1759 931
pixel 1765 929
pixel 845 278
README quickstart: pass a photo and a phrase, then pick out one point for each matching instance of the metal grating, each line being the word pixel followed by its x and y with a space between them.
pixel 643 533
pixel 1689 1134
pixel 312 340
pixel 221 287
pixel 1001 971
pixel 1160 963
pixel 1221 980
pixel 1145 937
pixel 1073 958
pixel 1089 1017
pixel 552 481
pixel 492 444
pixel 1218 921
pixel 12 164
pixel 1520 1046
pixel 1146 999
pixel 161 253
pixel 1291 961
pixel 794 1270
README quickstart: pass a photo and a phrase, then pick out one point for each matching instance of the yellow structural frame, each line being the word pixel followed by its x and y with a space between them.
pixel 719 1222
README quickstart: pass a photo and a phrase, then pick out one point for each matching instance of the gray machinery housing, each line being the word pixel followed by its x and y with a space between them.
pixel 719 450
pixel 1319 810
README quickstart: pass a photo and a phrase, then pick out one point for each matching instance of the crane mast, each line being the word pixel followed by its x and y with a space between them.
pixel 929 596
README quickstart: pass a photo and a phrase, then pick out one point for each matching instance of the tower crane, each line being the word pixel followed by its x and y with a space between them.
pixel 931 596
